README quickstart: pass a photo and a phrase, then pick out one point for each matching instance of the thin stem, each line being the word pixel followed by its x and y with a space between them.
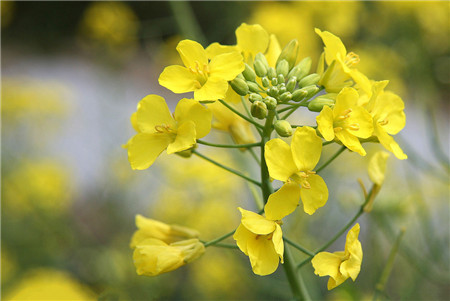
pixel 219 239
pixel 226 246
pixel 298 247
pixel 331 159
pixel 292 275
pixel 252 152
pixel 227 168
pixel 327 142
pixel 186 21
pixel 229 145
pixel 266 186
pixel 241 115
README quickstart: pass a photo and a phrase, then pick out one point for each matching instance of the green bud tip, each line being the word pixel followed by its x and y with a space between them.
pixel 259 110
pixel 249 73
pixel 239 86
pixel 309 80
pixel 286 96
pixel 289 53
pixel 283 128
pixel 282 68
pixel 270 102
pixel 271 73
pixel 290 86
pixel 265 81
pixel 317 104
pixel 280 78
pixel 253 87
pixel 254 97
pixel 298 95
pixel 260 69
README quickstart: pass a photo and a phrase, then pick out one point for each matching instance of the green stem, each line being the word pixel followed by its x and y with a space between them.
pixel 219 239
pixel 327 142
pixel 266 187
pixel 229 145
pixel 252 152
pixel 240 114
pixel 227 168
pixel 338 234
pixel 298 247
pixel 331 159
pixel 292 276
pixel 186 21
pixel 379 289
pixel 225 246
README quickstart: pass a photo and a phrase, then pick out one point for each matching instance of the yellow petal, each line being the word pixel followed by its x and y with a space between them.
pixel 178 79
pixel 325 123
pixel 333 282
pixel 226 66
pixel 189 109
pixel 216 49
pixel 361 80
pixel 377 167
pixel 192 53
pixel 133 120
pixel 214 88
pixel 232 97
pixel 363 120
pixel 242 236
pixel 389 108
pixel 351 267
pixel 345 100
pixel 273 51
pixel 185 138
pixel 143 149
pixel 256 223
pixel 351 142
pixel 279 159
pixel 333 46
pixel 316 196
pixel 282 202
pixel 278 244
pixel 389 143
pixel 306 148
pixel 326 264
pixel 263 257
pixel 153 111
pixel 252 39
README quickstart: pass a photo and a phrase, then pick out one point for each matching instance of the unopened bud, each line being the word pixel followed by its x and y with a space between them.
pixel 254 97
pixel 302 68
pixel 309 80
pixel 271 73
pixel 253 87
pixel 273 91
pixel 286 96
pixel 239 86
pixel 274 81
pixel 265 81
pixel 259 110
pixel 249 73
pixel 283 128
pixel 317 103
pixel 292 82
pixel 260 69
pixel 280 78
pixel 289 53
pixel 270 102
pixel 281 88
pixel 298 95
pixel 282 67
pixel 311 90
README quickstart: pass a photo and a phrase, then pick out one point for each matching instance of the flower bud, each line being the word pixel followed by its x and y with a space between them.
pixel 259 110
pixel 262 58
pixel 249 73
pixel 273 91
pixel 298 95
pixel 254 97
pixel 302 68
pixel 274 81
pixel 309 80
pixel 265 81
pixel 270 102
pixel 317 103
pixel 260 68
pixel 311 90
pixel 271 73
pixel 283 128
pixel 292 82
pixel 239 86
pixel 282 67
pixel 253 87
pixel 289 53
pixel 282 89
pixel 280 78
pixel 286 96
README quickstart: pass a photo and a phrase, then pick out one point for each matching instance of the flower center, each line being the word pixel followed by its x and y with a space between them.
pixel 351 59
pixel 341 122
pixel 165 129
pixel 201 72
pixel 301 178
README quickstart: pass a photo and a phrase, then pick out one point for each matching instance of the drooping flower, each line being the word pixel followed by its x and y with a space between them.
pixel 377 167
pixel 159 130
pixel 294 166
pixel 207 76
pixel 388 117
pixel 346 121
pixel 340 265
pixel 261 239
pixel 340 71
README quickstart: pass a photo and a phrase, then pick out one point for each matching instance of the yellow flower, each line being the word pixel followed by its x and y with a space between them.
pixel 340 265
pixel 388 117
pixel 340 69
pixel 153 256
pixel 377 167
pixel 261 240
pixel 225 120
pixel 150 228
pixel 158 130
pixel 207 77
pixel 293 165
pixel 346 121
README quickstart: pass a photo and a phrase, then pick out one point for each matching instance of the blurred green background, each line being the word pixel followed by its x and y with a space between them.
pixel 73 73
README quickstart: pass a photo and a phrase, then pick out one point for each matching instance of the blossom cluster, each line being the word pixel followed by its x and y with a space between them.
pixel 267 81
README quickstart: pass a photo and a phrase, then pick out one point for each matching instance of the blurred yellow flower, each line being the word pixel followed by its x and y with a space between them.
pixel 346 121
pixel 377 167
pixel 340 265
pixel 207 77
pixel 158 130
pixel 293 165
pixel 48 284
pixel 261 239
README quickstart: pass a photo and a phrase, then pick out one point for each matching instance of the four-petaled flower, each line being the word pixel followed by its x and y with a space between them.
pixel 158 130
pixel 340 265
pixel 294 166
pixel 207 77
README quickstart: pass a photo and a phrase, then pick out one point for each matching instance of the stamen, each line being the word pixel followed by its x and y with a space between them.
pixel 353 126
pixel 351 59
pixel 306 185
pixel 345 114
pixel 337 129
pixel 383 122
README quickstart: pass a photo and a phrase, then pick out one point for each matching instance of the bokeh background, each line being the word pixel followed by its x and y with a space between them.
pixel 73 73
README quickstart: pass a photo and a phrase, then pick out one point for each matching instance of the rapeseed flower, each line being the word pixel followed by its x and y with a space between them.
pixel 159 130
pixel 340 265
pixel 294 166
